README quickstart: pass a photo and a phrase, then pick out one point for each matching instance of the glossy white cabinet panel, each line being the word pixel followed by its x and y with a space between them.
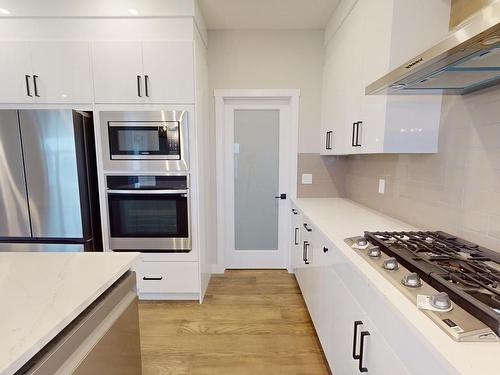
pixel 361 51
pixel 296 239
pixel 63 72
pixel 16 73
pixel 118 72
pixel 168 277
pixel 169 71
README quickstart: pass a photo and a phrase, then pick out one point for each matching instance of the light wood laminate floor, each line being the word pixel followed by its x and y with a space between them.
pixel 251 322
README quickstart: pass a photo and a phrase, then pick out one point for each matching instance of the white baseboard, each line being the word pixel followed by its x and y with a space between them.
pixel 218 268
pixel 169 296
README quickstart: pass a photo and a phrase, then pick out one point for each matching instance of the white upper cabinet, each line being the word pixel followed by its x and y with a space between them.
pixel 169 71
pixel 371 41
pixel 45 72
pixel 333 106
pixel 143 72
pixel 118 72
pixel 61 72
pixel 15 72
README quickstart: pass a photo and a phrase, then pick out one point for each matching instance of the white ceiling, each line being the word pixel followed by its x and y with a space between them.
pixel 267 14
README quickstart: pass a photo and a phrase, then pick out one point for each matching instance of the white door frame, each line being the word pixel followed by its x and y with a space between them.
pixel 279 99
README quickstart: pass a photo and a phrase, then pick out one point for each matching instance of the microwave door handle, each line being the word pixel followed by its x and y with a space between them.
pixel 152 192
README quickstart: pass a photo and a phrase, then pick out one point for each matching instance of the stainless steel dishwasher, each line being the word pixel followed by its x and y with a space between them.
pixel 104 339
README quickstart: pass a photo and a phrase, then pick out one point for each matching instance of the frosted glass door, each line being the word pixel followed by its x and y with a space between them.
pixel 256 179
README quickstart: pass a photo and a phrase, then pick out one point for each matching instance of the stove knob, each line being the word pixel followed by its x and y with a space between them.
pixel 412 280
pixel 361 242
pixel 391 264
pixel 374 252
pixel 440 301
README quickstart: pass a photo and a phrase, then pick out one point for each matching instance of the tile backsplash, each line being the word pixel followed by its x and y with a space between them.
pixel 327 176
pixel 456 190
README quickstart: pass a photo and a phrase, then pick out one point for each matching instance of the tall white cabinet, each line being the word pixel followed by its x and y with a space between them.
pixel 374 38
pixel 138 64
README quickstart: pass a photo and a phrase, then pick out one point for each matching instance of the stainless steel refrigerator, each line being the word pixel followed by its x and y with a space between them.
pixel 48 181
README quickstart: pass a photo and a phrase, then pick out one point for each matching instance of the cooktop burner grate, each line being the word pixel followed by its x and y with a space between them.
pixel 469 273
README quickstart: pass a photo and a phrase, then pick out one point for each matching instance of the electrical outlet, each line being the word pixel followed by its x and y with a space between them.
pixel 381 186
pixel 307 179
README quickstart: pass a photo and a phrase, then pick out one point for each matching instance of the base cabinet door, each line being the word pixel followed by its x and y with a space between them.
pixel 296 239
pixel 351 341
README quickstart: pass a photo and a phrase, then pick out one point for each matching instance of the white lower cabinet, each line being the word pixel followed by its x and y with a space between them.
pixel 296 239
pixel 347 310
pixel 168 277
pixel 351 342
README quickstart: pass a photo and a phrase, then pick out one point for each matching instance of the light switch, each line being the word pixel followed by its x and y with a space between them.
pixel 307 179
pixel 381 186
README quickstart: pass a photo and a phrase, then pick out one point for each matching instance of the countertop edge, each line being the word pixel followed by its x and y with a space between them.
pixel 43 341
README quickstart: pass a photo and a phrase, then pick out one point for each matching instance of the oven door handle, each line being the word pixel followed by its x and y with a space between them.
pixel 152 192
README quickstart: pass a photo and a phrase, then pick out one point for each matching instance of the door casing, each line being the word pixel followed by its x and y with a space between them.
pixel 226 101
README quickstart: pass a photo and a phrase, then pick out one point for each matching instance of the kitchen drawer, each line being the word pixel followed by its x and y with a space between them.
pixel 168 277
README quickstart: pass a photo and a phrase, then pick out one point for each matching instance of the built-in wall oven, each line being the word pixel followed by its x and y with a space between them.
pixel 149 213
pixel 145 140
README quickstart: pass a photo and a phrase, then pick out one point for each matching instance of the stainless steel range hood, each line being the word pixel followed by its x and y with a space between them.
pixel 468 59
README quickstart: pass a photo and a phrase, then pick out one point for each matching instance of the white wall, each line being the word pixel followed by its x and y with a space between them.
pixel 271 59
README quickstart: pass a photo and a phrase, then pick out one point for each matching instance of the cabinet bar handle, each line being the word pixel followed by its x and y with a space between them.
pixel 294 211
pixel 28 91
pixel 307 227
pixel 355 339
pixel 361 350
pixel 358 133
pixel 152 278
pixel 146 84
pixel 305 252
pixel 35 77
pixel 329 140
pixel 296 236
pixel 353 134
pixel 139 87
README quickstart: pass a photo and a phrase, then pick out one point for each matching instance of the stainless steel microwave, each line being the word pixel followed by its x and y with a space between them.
pixel 145 140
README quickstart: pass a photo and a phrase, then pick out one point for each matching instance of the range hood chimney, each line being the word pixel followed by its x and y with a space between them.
pixel 467 60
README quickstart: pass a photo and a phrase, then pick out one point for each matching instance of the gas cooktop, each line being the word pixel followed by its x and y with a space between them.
pixel 455 282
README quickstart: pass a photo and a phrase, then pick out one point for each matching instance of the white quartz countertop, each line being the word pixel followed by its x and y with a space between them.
pixel 41 293
pixel 339 218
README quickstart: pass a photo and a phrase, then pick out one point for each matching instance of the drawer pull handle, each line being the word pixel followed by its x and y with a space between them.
pixel 354 339
pixel 307 227
pixel 361 351
pixel 296 237
pixel 305 253
pixel 152 278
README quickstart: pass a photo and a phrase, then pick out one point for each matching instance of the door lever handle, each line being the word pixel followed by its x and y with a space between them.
pixel 281 196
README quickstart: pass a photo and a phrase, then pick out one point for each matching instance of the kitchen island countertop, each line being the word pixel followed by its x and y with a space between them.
pixel 42 293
